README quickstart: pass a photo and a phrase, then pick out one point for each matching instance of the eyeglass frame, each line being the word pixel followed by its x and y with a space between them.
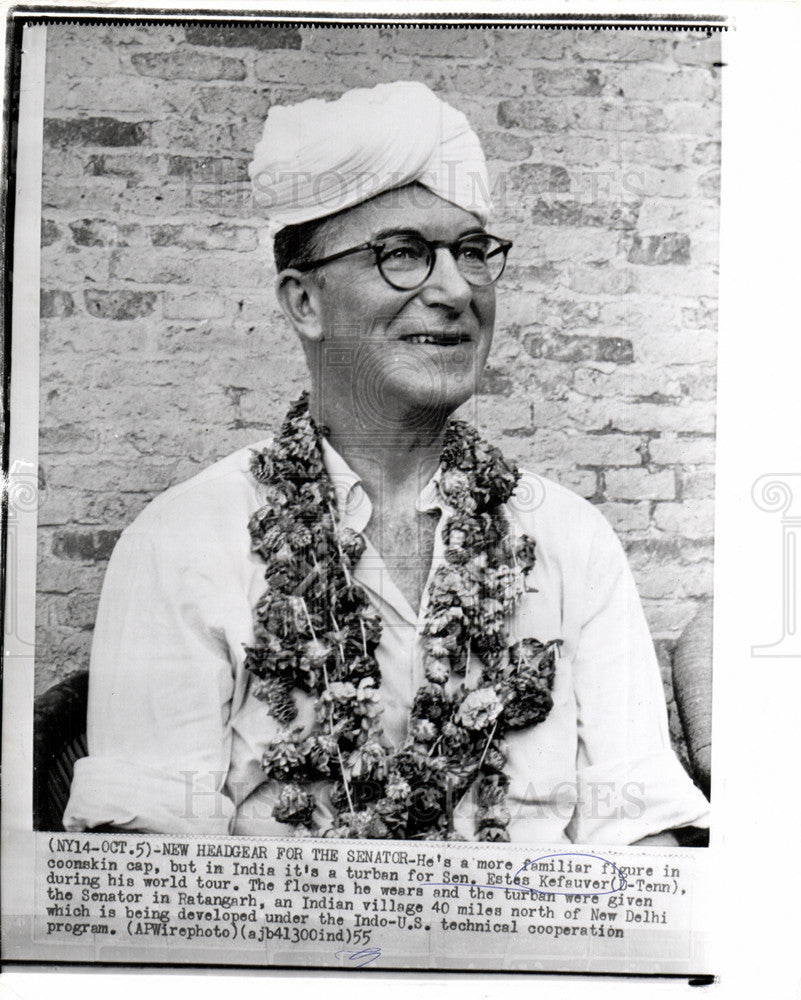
pixel 433 245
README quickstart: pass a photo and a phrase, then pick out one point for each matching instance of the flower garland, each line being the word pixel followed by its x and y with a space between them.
pixel 315 630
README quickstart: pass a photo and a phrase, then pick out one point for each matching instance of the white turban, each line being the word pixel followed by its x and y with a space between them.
pixel 319 157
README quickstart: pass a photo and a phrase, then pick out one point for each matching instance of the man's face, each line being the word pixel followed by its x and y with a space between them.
pixel 373 347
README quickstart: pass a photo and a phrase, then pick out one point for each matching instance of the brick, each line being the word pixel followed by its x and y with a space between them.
pixel 494 382
pixel 343 40
pixel 683 346
pixel 174 265
pixel 84 546
pixel 529 43
pixel 66 59
pixel 503 146
pixel 62 163
pixel 707 152
pixel 640 484
pixel 54 576
pixel 68 438
pixel 561 347
pixel 649 84
pixel 693 518
pixel 673 182
pixel 568 313
pixel 282 69
pixel 709 184
pixel 697 484
pixel 701 316
pixel 68 651
pixel 692 119
pixel 609 215
pixel 668 618
pixel 592 245
pixel 670 450
pixel 50 232
pixel 675 580
pixel 581 481
pixel 63 268
pixel 678 215
pixel 635 382
pixel 118 304
pixel 134 167
pixel 664 248
pixel 436 41
pixel 618 46
pixel 531 277
pixel 678 280
pixel 603 450
pixel 69 132
pixel 627 518
pixel 535 178
pixel 197 305
pixel 76 612
pixel 208 169
pixel 144 475
pixel 262 37
pixel 53 302
pixel 188 66
pixel 77 337
pixel 585 450
pixel 102 233
pixel 232 101
pixel 582 114
pixel 175 198
pixel 186 134
pixel 65 506
pixel 698 51
pixel 601 279
pixel 650 551
pixel 260 306
pixel 688 416
pixel 616 182
pixel 656 151
pixel 118 96
pixel 219 236
pixel 699 381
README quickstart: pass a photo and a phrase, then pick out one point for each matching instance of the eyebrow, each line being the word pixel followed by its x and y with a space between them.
pixel 384 233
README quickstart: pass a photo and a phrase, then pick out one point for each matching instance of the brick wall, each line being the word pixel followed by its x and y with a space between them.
pixel 163 348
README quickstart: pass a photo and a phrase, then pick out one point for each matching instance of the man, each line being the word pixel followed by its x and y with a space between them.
pixel 374 626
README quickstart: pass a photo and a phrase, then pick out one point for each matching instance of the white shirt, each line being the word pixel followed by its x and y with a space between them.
pixel 176 738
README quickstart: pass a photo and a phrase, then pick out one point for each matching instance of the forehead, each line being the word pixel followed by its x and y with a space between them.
pixel 409 207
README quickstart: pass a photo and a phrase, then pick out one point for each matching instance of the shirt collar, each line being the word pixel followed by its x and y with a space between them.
pixel 354 505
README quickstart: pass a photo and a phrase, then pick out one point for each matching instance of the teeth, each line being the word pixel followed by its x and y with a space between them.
pixel 425 338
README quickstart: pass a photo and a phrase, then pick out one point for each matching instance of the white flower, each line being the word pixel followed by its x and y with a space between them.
pixel 479 709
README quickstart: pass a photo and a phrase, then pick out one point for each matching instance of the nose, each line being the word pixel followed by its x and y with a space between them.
pixel 446 285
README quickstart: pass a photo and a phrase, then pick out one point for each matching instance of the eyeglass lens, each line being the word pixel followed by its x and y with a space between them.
pixel 405 260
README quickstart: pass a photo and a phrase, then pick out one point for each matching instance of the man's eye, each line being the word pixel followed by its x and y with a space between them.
pixel 404 251
pixel 473 252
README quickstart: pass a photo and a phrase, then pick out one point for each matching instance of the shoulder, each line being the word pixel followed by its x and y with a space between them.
pixel 218 499
pixel 560 521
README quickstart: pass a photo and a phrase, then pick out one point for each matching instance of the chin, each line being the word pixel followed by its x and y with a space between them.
pixel 413 386
pixel 416 405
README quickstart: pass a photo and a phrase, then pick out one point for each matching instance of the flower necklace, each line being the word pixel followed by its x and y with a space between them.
pixel 315 630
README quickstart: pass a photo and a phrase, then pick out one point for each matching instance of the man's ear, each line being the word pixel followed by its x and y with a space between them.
pixel 299 296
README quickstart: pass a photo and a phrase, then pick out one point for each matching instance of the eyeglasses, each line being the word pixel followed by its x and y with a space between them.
pixel 406 260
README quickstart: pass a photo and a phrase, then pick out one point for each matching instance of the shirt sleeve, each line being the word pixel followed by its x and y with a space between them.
pixel 630 783
pixel 160 689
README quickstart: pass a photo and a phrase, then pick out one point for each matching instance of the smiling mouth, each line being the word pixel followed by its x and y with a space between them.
pixel 440 339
